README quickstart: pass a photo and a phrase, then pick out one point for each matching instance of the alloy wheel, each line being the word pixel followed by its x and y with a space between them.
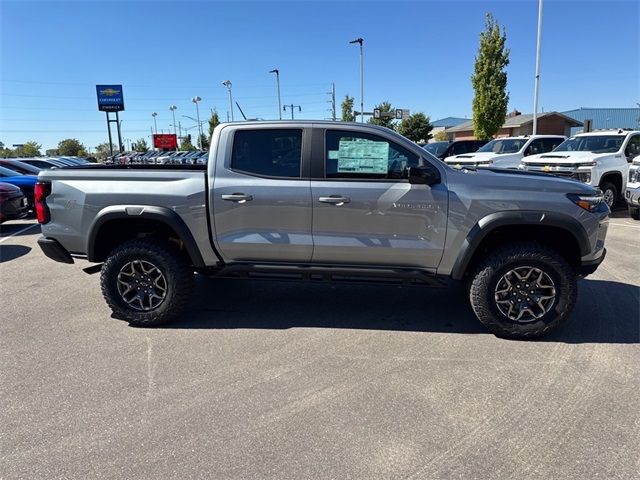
pixel 525 294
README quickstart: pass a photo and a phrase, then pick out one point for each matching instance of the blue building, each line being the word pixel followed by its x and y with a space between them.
pixel 606 118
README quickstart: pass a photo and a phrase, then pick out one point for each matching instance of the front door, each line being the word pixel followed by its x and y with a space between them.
pixel 261 202
pixel 365 212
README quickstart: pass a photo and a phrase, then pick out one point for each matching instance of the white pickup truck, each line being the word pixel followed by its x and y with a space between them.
pixel 600 159
pixel 632 195
pixel 506 152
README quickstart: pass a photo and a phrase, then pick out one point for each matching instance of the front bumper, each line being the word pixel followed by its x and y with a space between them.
pixel 52 249
pixel 632 196
pixel 590 266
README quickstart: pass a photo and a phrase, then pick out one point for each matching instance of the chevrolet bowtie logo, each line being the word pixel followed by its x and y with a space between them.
pixel 109 92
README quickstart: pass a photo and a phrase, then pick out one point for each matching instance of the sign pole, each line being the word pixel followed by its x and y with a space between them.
pixel 109 130
pixel 119 133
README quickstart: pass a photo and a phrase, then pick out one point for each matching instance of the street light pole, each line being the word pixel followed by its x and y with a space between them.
pixel 277 72
pixel 361 42
pixel 155 124
pixel 195 100
pixel 227 83
pixel 173 111
pixel 537 80
pixel 291 107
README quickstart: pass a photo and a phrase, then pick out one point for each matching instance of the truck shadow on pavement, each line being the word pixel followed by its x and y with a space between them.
pixel 11 252
pixel 607 312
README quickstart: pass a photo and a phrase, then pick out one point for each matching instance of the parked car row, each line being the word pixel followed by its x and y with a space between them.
pixel 155 157
pixel 600 159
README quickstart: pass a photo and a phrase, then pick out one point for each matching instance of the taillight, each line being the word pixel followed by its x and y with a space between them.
pixel 40 194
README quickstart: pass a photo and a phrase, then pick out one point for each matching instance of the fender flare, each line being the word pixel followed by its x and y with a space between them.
pixel 513 218
pixel 159 214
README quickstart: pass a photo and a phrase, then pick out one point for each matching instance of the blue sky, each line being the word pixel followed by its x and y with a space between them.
pixel 418 55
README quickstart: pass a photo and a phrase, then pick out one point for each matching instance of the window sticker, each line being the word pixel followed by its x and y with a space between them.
pixel 333 154
pixel 363 156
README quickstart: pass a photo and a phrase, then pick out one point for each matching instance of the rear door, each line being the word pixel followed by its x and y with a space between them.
pixel 365 211
pixel 261 195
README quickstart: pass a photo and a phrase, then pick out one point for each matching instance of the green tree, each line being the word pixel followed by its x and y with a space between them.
pixel 186 145
pixel 203 141
pixel 51 152
pixel 416 127
pixel 5 152
pixel 489 81
pixel 214 121
pixel 102 152
pixel 347 109
pixel 71 147
pixel 440 136
pixel 28 149
pixel 141 145
pixel 386 121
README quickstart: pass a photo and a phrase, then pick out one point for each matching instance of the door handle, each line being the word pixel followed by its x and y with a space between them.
pixel 335 200
pixel 237 197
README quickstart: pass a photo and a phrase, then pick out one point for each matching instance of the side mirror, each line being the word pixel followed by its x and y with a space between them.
pixel 425 175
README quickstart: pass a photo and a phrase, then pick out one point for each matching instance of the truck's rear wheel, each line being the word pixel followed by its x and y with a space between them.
pixel 523 290
pixel 146 282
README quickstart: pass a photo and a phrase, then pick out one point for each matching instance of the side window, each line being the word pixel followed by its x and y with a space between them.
pixel 460 148
pixel 551 143
pixel 268 152
pixel 535 147
pixel 366 156
pixel 633 147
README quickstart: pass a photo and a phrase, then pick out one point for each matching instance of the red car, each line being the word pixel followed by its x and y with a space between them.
pixel 13 203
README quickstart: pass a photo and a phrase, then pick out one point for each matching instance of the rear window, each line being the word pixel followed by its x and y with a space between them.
pixel 265 152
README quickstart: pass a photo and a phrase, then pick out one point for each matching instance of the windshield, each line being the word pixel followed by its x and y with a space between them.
pixel 436 148
pixel 505 145
pixel 592 143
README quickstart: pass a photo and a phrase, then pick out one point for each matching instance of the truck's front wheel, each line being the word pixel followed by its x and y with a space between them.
pixel 523 290
pixel 146 282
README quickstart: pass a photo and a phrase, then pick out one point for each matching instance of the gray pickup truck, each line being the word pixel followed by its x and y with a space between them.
pixel 327 201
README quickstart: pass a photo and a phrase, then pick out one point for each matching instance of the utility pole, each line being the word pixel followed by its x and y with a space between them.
pixel 360 41
pixel 333 101
pixel 277 72
pixel 537 80
pixel 173 111
pixel 291 107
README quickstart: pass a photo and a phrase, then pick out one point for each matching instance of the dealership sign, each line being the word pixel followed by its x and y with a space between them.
pixel 110 98
pixel 165 141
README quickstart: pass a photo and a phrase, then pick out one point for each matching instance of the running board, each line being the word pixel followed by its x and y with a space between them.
pixel 331 274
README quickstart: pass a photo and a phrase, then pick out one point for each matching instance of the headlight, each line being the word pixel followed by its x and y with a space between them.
pixel 634 175
pixel 583 176
pixel 589 202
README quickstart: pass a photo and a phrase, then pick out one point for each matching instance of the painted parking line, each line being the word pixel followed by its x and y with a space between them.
pixel 19 232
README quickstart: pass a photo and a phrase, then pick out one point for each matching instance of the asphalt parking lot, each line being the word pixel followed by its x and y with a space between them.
pixel 280 380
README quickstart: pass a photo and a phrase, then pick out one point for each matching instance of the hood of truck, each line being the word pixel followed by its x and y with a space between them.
pixel 482 157
pixel 565 158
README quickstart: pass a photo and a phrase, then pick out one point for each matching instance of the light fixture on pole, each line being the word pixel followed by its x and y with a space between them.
pixel 227 83
pixel 277 72
pixel 155 124
pixel 360 41
pixel 537 79
pixel 292 107
pixel 195 100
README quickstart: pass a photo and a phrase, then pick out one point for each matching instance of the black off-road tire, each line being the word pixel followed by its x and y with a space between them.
pixel 483 283
pixel 172 263
pixel 609 186
pixel 634 212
